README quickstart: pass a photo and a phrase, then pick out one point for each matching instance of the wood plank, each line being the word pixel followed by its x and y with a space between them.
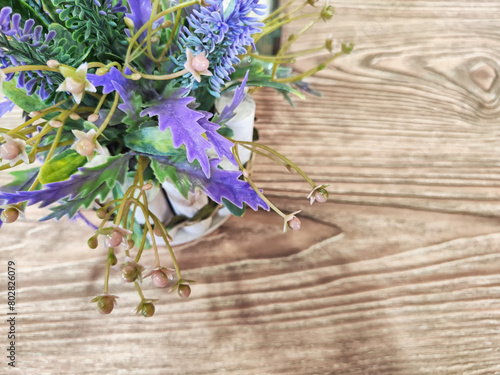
pixel 398 273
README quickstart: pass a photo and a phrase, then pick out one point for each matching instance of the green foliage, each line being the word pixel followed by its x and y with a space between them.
pixel 21 99
pixel 235 210
pixel 102 33
pixel 62 48
pixel 61 167
pixel 260 74
pixel 22 179
pixel 169 172
pixel 92 183
pixel 153 141
pixel 28 9
pixel 67 51
pixel 134 120
pixel 156 143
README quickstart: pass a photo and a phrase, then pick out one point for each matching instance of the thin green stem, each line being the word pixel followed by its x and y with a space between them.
pixel 169 248
pixel 150 29
pixel 252 184
pixel 45 130
pixel 172 34
pixel 309 72
pixel 54 144
pixel 110 115
pixel 288 44
pixel 31 121
pixel 24 68
pixel 287 15
pixel 106 276
pixel 252 145
pixel 61 144
pixel 268 29
pixel 138 288
pixel 136 36
pixel 278 11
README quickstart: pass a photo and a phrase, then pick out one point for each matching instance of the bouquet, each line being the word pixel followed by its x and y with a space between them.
pixel 119 98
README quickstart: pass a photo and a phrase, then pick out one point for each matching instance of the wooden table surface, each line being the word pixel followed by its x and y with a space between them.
pixel 398 273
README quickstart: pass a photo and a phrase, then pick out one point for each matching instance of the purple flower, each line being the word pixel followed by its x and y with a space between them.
pixel 140 13
pixel 221 37
pixel 108 80
pixel 228 111
pixel 11 26
pixel 6 106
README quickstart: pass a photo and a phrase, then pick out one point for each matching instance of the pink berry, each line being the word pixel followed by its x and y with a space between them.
pixel 93 117
pixel 114 239
pixel 56 123
pixel 294 223
pixel 200 63
pixel 160 279
pixel 184 290
pixel 9 151
pixel 157 231
pixel 9 215
pixel 85 147
pixel 321 195
pixel 130 273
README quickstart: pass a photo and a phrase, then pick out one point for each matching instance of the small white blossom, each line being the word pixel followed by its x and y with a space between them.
pixel 86 143
pixel 197 65
pixel 318 194
pixel 76 81
pixel 291 221
pixel 13 150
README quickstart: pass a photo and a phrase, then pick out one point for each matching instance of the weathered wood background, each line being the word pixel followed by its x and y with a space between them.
pixel 398 273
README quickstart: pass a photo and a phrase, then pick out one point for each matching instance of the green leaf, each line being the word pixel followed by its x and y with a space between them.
pixel 22 180
pixel 63 33
pixel 235 210
pixel 61 167
pixel 205 212
pixel 89 184
pixel 259 75
pixel 52 10
pixel 169 172
pixel 21 99
pixel 20 176
pixel 153 141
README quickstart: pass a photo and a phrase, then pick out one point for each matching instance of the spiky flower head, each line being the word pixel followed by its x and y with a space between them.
pixel 223 36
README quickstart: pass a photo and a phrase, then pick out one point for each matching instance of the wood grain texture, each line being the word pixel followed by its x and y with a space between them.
pixel 398 273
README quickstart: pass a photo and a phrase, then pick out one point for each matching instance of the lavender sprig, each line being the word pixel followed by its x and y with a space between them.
pixel 223 37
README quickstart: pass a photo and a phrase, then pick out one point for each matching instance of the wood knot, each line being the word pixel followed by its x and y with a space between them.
pixel 483 75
